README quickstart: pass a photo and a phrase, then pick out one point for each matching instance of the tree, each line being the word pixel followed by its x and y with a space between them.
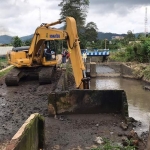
pixel 16 41
pixel 140 36
pixel 91 31
pixel 130 36
pixel 76 9
pixel 28 42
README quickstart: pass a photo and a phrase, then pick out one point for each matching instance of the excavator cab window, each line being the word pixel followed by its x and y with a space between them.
pixel 47 51
pixel 50 50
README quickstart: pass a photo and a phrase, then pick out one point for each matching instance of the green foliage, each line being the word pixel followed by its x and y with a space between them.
pixel 16 41
pixel 3 73
pixel 118 56
pixel 76 9
pixel 129 53
pixel 146 48
pixel 136 51
pixel 3 62
pixel 90 32
pixel 146 73
pixel 109 145
pixel 130 36
pixel 28 42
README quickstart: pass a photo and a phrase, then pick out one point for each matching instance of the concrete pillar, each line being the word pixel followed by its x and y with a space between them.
pixel 93 72
pixel 88 60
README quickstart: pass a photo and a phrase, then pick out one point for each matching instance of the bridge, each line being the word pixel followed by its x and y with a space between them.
pixel 103 52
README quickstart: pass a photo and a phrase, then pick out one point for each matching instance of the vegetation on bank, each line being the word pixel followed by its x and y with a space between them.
pixel 3 73
pixel 137 52
pixel 4 64
pixel 109 145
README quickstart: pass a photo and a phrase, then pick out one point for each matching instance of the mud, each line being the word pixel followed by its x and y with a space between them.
pixel 80 131
pixel 67 132
pixel 17 103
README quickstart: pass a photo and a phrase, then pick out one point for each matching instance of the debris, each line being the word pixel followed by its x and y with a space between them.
pixel 99 140
pixel 97 125
pixel 124 126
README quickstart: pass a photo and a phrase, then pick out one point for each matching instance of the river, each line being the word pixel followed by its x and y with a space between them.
pixel 138 98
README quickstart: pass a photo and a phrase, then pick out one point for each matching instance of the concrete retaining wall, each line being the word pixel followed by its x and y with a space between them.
pixel 123 69
pixel 88 101
pixel 120 70
pixel 30 136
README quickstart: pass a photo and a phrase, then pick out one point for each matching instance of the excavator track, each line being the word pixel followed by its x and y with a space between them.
pixel 45 75
pixel 13 77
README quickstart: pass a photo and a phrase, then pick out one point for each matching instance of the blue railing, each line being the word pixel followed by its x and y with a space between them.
pixel 104 52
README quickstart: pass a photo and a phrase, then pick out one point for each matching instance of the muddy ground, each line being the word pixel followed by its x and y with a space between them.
pixel 80 131
pixel 68 132
pixel 18 102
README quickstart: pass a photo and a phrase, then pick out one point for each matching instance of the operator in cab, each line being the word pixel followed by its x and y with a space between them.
pixel 47 52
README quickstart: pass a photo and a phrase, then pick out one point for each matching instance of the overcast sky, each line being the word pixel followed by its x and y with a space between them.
pixel 21 17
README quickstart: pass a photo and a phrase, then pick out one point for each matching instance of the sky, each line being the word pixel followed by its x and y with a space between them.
pixel 22 17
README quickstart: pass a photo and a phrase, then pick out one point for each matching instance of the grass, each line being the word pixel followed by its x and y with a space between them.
pixel 3 73
pixel 4 64
pixel 109 145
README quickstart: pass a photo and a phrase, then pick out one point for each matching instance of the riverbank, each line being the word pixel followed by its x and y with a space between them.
pixel 138 71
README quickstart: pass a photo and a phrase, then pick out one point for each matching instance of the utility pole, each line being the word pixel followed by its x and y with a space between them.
pixel 146 30
pixel 105 43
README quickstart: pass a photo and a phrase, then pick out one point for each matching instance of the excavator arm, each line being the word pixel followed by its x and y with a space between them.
pixel 75 56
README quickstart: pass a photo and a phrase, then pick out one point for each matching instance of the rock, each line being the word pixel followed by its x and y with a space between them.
pixel 134 142
pixel 120 134
pixel 133 135
pixel 56 147
pixel 61 118
pixel 99 140
pixel 130 119
pixel 124 141
pixel 97 125
pixel 124 126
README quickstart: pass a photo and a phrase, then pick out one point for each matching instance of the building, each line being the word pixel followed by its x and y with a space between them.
pixel 117 37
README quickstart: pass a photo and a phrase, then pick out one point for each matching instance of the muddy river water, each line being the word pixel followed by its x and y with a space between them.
pixel 138 98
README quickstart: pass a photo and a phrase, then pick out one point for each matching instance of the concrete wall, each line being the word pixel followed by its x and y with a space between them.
pixel 30 136
pixel 120 68
pixel 88 101
pixel 4 50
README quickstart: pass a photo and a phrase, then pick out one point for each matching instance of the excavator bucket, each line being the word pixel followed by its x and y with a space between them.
pixel 88 102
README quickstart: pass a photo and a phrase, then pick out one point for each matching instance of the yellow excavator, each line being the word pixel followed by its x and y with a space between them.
pixel 31 60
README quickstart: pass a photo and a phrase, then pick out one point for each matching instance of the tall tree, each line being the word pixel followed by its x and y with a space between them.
pixel 130 36
pixel 76 9
pixel 16 41
pixel 91 32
